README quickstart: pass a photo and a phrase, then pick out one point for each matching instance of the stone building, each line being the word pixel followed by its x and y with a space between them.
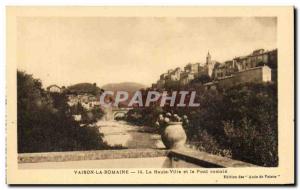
pixel 86 100
pixel 230 67
pixel 201 70
pixel 191 68
pixel 186 77
pixel 163 76
pixel 224 70
pixel 259 66
pixel 256 74
pixel 258 57
pixel 154 85
pixel 160 83
pixel 174 75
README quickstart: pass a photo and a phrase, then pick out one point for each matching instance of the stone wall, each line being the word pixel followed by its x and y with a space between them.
pixel 129 158
pixel 257 74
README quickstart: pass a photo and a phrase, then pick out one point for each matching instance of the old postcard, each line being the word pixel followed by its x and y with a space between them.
pixel 150 95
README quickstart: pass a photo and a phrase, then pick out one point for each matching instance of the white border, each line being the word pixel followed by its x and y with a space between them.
pixel 4 3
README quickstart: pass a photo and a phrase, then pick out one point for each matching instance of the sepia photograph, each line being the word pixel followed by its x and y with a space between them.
pixel 150 93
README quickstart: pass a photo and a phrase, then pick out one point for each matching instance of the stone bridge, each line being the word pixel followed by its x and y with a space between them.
pixel 119 112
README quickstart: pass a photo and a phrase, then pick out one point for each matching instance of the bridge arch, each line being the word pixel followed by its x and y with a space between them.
pixel 117 114
pixel 113 113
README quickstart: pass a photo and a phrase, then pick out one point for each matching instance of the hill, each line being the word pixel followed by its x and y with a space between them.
pixel 129 87
pixel 84 88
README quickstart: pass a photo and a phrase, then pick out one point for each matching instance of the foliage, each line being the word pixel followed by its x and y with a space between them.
pixel 45 123
pixel 137 116
pixel 251 123
pixel 240 121
pixel 85 88
pixel 87 116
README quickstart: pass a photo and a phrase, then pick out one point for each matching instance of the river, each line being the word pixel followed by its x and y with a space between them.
pixel 121 133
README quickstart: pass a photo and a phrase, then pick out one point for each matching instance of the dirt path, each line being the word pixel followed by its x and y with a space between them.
pixel 120 133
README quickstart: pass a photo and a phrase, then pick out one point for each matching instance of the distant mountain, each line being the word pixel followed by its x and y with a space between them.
pixel 84 88
pixel 129 87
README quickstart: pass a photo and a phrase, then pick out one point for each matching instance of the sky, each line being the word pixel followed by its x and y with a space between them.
pixel 68 50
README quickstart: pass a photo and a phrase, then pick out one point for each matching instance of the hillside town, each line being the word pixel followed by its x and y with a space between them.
pixel 87 98
pixel 259 66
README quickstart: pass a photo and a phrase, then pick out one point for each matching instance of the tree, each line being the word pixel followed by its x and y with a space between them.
pixel 45 124
pixel 240 121
pixel 251 123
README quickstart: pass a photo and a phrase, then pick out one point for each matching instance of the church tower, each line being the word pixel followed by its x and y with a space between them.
pixel 210 65
pixel 208 59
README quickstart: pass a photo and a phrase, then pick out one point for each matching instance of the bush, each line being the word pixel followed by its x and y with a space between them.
pixel 251 123
pixel 45 123
pixel 242 119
